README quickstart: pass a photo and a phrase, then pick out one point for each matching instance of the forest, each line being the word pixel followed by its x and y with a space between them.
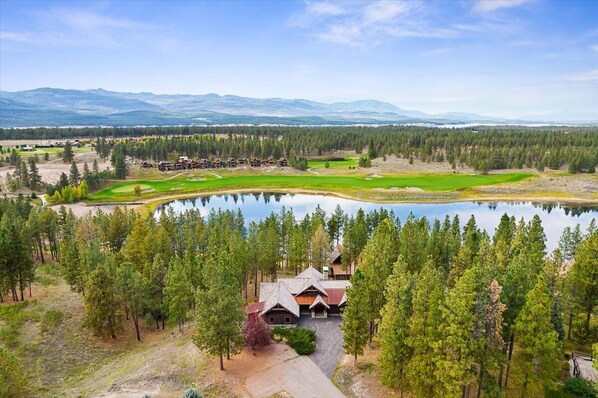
pixel 482 148
pixel 462 313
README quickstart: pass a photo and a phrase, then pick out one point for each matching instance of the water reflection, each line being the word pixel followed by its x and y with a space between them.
pixel 256 206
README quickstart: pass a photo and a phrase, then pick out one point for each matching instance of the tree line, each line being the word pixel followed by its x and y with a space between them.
pixel 482 148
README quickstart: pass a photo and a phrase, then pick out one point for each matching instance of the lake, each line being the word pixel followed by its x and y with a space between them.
pixel 257 206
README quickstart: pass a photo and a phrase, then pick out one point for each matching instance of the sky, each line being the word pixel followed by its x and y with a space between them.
pixel 509 58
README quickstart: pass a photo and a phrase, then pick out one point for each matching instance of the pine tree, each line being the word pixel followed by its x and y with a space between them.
pixel 63 181
pixel 395 353
pixel 454 355
pixel 355 320
pixel 320 248
pixel 23 175
pixel 219 310
pixel 74 175
pixel 35 179
pixel 536 362
pixel 584 277
pixel 177 293
pixel 133 294
pixel 488 338
pixel 103 307
pixel 424 331
pixel 67 153
pixel 377 260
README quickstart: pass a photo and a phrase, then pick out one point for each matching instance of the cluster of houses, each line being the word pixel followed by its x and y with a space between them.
pixel 184 163
pixel 310 294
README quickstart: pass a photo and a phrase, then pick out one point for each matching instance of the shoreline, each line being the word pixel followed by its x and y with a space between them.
pixel 151 204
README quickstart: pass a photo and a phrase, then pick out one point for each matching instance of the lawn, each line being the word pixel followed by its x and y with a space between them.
pixel 347 162
pixel 124 190
pixel 56 150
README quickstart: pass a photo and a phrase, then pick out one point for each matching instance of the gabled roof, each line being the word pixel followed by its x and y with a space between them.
pixel 311 273
pixel 319 301
pixel 309 283
pixel 277 294
pixel 336 252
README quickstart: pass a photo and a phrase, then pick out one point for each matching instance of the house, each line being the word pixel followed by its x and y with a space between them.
pixel 336 271
pixel 255 162
pixel 283 162
pixel 308 294
pixel 146 165
pixel 165 166
pixel 231 162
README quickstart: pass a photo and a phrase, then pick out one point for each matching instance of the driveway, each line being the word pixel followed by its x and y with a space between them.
pixel 329 342
pixel 298 378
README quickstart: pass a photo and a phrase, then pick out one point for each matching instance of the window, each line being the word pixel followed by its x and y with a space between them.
pixel 287 319
pixel 271 320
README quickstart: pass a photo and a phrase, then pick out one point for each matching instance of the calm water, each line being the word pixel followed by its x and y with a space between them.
pixel 257 206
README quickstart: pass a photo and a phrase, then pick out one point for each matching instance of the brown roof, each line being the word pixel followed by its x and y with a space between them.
pixel 334 296
pixel 254 308
pixel 337 269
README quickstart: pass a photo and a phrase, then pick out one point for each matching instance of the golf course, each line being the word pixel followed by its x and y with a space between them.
pixel 355 186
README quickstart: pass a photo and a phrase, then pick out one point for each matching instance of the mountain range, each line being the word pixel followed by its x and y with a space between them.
pixel 99 107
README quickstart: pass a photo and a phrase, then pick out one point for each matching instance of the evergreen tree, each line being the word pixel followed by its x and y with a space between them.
pixel 395 353
pixel 320 248
pixel 355 320
pixel 23 175
pixel 103 307
pixel 424 331
pixel 177 293
pixel 536 362
pixel 74 175
pixel 67 153
pixel 584 277
pixel 377 260
pixel 219 310
pixel 35 179
pixel 133 294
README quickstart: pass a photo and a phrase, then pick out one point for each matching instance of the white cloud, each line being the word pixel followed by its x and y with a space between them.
pixel 585 76
pixel 485 6
pixel 325 8
pixel 361 23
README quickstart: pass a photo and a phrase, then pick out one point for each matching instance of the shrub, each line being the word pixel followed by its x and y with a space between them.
pixel 137 189
pixel 256 332
pixel 192 393
pixel 302 340
pixel 579 387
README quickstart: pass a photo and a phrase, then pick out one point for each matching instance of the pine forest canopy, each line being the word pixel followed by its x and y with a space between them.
pixel 483 148
pixel 438 341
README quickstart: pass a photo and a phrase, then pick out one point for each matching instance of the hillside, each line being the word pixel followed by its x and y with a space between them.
pixel 58 107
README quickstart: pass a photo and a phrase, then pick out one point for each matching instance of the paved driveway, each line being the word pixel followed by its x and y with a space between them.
pixel 298 378
pixel 329 342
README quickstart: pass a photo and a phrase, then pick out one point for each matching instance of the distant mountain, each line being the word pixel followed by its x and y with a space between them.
pixel 58 107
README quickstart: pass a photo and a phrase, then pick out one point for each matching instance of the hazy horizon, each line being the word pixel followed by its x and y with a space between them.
pixel 497 58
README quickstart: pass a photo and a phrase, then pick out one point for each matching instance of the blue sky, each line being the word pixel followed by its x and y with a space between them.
pixel 496 57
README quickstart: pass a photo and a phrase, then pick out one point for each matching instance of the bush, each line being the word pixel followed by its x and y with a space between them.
pixel 302 340
pixel 256 332
pixel 192 393
pixel 579 387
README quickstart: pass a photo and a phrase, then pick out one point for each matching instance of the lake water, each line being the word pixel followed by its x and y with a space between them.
pixel 259 205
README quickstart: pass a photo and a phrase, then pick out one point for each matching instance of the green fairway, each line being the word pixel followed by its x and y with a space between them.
pixel 350 161
pixel 123 190
pixel 56 150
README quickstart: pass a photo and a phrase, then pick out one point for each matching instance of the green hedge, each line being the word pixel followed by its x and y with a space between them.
pixel 302 340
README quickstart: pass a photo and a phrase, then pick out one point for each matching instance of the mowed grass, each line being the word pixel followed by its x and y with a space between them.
pixel 124 190
pixel 347 162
